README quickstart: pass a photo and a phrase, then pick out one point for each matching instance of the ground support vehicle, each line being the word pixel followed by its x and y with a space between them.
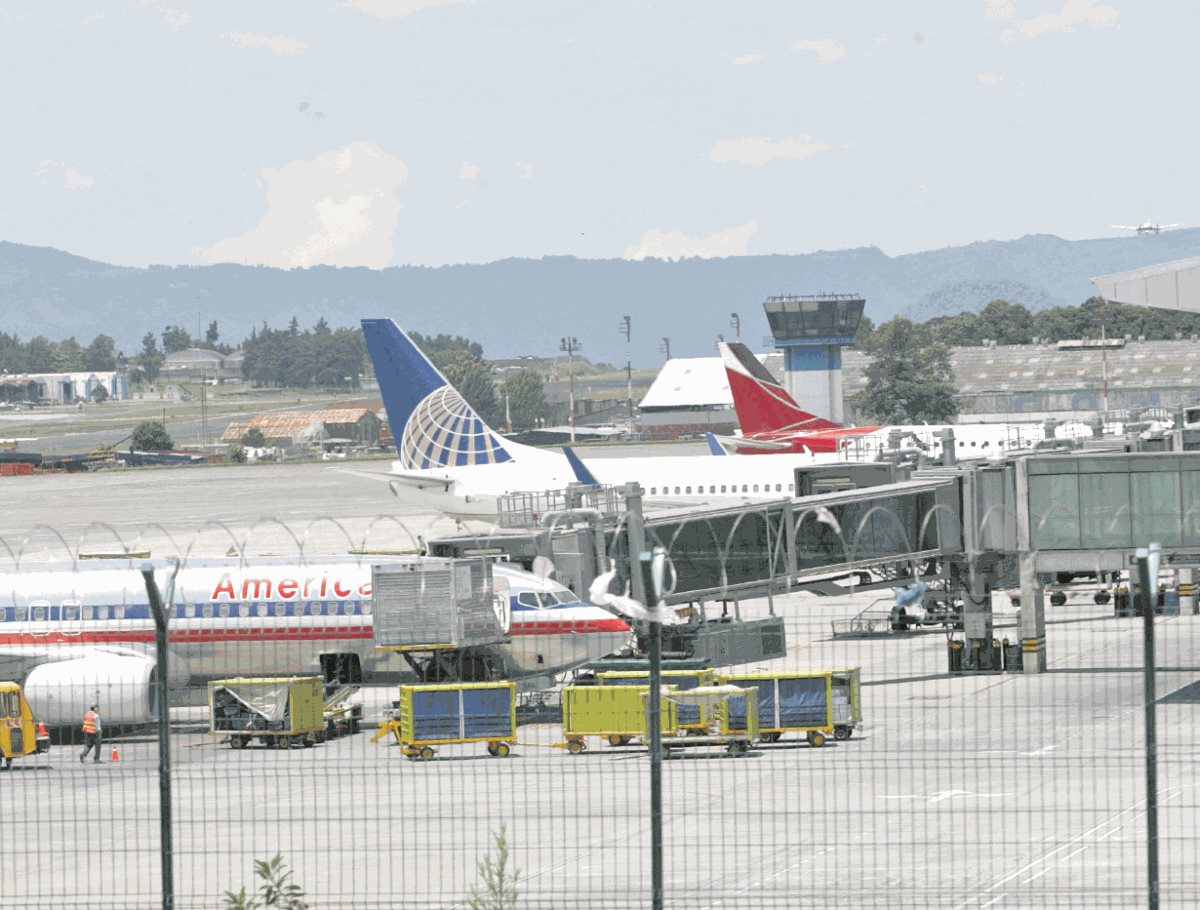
pixel 717 701
pixel 692 718
pixel 444 713
pixel 341 717
pixel 20 732
pixel 792 702
pixel 278 711
pixel 847 703
pixel 616 714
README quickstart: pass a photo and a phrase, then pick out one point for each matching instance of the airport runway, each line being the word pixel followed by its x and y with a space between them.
pixel 995 791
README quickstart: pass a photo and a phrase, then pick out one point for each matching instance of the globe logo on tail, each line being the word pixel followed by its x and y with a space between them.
pixel 443 430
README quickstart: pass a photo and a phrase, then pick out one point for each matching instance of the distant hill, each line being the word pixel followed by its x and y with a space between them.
pixel 525 306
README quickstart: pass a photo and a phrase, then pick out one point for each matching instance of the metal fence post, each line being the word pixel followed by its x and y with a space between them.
pixel 637 556
pixel 1147 565
pixel 160 611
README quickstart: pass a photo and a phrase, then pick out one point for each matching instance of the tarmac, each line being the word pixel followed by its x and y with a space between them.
pixel 959 791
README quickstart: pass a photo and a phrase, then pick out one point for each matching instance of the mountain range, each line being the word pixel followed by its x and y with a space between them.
pixel 527 306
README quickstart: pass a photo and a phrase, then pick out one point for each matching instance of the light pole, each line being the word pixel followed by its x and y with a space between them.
pixel 570 344
pixel 625 329
pixel 665 347
pixel 735 322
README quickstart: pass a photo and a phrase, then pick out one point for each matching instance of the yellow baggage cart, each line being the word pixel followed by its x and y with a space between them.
pixel 279 711
pixel 616 714
pixel 442 714
pixel 789 702
pixel 847 704
pixel 690 717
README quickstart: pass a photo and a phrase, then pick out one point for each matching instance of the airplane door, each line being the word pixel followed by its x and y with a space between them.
pixel 70 617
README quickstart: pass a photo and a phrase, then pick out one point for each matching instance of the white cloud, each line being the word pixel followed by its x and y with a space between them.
pixel 338 208
pixel 394 9
pixel 990 78
pixel 279 45
pixel 468 171
pixel 658 244
pixel 999 9
pixel 526 170
pixel 756 150
pixel 72 179
pixel 176 19
pixel 748 59
pixel 826 49
pixel 1074 12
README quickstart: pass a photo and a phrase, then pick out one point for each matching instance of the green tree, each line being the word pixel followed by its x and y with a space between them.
pixel 176 338
pixel 498 881
pixel 40 355
pixel 254 438
pixel 443 349
pixel 862 335
pixel 101 355
pixel 526 397
pixel 909 379
pixel 1005 323
pixel 276 888
pixel 237 453
pixel 99 394
pixel 68 356
pixel 151 436
pixel 151 359
pixel 212 336
pixel 955 331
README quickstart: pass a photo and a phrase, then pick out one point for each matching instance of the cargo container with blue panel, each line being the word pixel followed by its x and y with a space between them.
pixel 690 717
pixel 795 702
pixel 430 715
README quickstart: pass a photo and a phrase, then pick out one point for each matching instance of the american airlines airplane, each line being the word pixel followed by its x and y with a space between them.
pixel 457 464
pixel 771 421
pixel 81 637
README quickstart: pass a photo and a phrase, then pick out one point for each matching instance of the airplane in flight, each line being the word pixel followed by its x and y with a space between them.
pixel 1146 227
pixel 450 459
pixel 772 421
pixel 87 636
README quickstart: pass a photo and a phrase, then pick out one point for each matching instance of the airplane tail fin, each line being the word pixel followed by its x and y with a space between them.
pixel 432 424
pixel 763 405
pixel 714 444
pixel 580 470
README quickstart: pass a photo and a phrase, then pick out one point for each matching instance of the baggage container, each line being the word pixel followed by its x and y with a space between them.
pixel 797 702
pixel 689 717
pixel 614 713
pixel 278 711
pixel 847 705
pixel 719 702
pixel 431 715
pixel 435 603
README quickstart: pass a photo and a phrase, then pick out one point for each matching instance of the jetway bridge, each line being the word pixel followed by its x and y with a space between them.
pixel 969 529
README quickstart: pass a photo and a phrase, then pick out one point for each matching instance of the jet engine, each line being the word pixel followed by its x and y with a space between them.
pixel 123 687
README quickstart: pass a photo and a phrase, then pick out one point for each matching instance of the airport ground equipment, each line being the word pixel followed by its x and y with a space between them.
pixel 20 732
pixel 616 714
pixel 453 713
pixel 790 702
pixel 690 718
pixel 716 702
pixel 277 711
pixel 342 718
pixel 846 688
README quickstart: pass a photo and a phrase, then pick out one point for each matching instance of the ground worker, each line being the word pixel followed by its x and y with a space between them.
pixel 92 729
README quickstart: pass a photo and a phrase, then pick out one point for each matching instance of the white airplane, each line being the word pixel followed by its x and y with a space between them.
pixel 772 421
pixel 457 464
pixel 85 637
pixel 1146 227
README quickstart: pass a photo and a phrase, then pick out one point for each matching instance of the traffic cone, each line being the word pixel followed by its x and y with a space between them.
pixel 42 728
pixel 114 756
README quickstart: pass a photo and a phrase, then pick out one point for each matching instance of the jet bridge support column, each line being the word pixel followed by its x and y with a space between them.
pixel 1033 617
pixel 977 623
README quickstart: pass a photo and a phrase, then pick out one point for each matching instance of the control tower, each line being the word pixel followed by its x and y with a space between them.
pixel 811 331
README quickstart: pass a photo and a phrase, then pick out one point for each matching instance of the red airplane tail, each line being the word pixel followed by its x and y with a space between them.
pixel 762 404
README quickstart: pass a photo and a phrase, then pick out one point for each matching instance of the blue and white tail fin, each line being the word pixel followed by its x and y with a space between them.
pixel 714 444
pixel 582 474
pixel 432 424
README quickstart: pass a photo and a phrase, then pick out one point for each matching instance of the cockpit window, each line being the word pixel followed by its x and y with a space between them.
pixel 528 599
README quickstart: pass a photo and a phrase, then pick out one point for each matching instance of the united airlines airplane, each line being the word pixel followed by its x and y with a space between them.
pixel 81 637
pixel 457 464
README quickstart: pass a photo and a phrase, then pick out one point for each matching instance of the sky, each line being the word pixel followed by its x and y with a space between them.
pixel 430 132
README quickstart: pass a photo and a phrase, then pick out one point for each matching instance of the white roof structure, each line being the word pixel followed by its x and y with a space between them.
pixel 686 382
pixel 1168 286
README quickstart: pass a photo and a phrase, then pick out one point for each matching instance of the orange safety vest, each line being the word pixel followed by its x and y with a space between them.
pixel 89 722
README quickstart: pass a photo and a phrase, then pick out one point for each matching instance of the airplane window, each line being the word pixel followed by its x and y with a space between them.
pixel 712 488
pixel 528 599
pixel 119 611
pixel 778 487
pixel 223 610
pixel 677 491
pixel 70 611
pixel 756 488
pixel 260 609
pixel 366 608
pixel 39 614
pixel 722 488
pixel 688 489
pixel 972 443
pixel 547 599
pixel 961 443
pixel 335 607
pixel 206 611
pixel 89 612
pixel 790 487
pixel 653 490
